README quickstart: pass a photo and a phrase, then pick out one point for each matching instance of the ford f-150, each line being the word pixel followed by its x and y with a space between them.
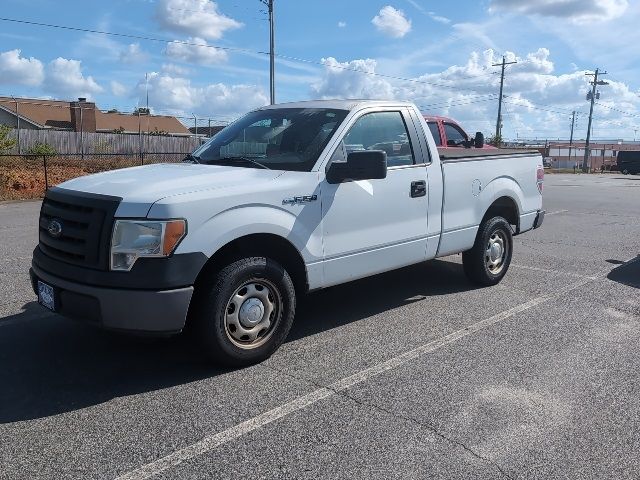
pixel 288 199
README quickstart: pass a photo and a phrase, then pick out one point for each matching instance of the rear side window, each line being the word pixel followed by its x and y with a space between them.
pixel 381 131
pixel 455 136
pixel 433 126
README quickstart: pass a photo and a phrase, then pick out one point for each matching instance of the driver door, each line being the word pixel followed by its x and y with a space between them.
pixel 371 226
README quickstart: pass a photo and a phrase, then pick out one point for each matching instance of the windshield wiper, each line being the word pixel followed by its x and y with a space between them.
pixel 190 158
pixel 241 159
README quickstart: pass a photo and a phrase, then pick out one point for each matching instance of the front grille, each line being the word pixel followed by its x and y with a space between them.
pixel 86 221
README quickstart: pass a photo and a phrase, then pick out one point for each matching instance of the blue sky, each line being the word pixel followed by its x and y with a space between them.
pixel 438 54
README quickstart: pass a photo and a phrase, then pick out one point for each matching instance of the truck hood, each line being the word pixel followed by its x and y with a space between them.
pixel 150 183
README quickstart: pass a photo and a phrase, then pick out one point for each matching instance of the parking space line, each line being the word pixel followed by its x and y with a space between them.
pixel 211 442
pixel 555 272
pixel 556 212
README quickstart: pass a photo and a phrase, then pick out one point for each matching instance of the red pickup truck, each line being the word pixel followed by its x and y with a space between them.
pixel 449 134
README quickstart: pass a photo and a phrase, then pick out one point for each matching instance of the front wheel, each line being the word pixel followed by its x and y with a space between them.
pixel 489 259
pixel 243 312
pixel 625 172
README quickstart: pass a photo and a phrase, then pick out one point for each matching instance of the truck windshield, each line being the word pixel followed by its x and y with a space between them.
pixel 279 139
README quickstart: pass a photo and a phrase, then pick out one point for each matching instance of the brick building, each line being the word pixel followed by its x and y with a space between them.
pixel 81 115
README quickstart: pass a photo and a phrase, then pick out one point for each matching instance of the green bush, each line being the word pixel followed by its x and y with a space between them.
pixel 42 149
pixel 6 143
pixel 495 140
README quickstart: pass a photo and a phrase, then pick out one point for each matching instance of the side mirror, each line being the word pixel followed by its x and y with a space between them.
pixel 360 165
pixel 479 140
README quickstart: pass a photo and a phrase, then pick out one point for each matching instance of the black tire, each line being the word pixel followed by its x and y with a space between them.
pixel 477 263
pixel 221 292
pixel 625 172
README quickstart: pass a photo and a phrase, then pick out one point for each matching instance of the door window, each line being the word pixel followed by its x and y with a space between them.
pixel 455 136
pixel 381 131
pixel 433 126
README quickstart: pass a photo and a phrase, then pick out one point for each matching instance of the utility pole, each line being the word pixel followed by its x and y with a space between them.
pixel 272 66
pixel 591 96
pixel 573 122
pixel 499 121
pixel 18 123
pixel 146 86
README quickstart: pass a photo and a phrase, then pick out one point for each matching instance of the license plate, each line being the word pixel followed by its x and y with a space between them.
pixel 46 296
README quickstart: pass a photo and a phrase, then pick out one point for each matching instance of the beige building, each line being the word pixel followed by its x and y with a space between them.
pixel 604 154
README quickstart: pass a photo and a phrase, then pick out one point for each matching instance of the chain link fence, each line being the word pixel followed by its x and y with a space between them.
pixel 28 176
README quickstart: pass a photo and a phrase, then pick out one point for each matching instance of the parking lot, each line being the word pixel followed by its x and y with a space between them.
pixel 410 374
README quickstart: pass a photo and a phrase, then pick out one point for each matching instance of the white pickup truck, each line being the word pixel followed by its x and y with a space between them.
pixel 288 199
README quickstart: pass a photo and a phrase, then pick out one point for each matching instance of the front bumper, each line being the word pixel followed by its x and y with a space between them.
pixel 154 311
pixel 539 219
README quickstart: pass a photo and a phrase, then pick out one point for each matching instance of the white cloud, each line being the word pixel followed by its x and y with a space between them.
pixel 64 77
pixel 351 80
pixel 392 22
pixel 439 18
pixel 18 70
pixel 179 95
pixel 195 50
pixel 342 24
pixel 538 102
pixel 133 54
pixel 578 11
pixel 173 69
pixel 432 15
pixel 118 89
pixel 199 18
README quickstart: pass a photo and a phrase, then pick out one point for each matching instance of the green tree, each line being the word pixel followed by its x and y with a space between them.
pixel 42 149
pixel 6 143
pixel 495 140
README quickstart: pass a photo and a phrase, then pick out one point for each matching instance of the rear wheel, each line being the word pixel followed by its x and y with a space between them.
pixel 243 313
pixel 489 259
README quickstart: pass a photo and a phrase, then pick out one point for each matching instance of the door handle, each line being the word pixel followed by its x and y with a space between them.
pixel 418 188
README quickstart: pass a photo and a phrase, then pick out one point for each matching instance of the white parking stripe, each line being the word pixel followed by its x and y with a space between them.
pixel 556 212
pixel 555 272
pixel 213 441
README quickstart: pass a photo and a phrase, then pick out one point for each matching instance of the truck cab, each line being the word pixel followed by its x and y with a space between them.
pixel 447 133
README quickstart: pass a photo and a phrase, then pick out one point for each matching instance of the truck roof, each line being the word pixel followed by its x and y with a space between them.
pixel 348 104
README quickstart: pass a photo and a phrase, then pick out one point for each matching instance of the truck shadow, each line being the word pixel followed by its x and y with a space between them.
pixel 627 273
pixel 343 304
pixel 50 365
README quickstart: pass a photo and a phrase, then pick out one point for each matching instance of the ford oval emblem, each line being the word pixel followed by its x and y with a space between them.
pixel 54 228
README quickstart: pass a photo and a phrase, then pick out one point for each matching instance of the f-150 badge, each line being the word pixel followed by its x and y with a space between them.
pixel 299 200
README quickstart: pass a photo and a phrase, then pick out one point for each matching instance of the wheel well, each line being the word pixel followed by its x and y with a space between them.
pixel 504 207
pixel 262 245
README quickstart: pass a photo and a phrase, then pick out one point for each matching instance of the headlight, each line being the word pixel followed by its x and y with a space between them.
pixel 133 239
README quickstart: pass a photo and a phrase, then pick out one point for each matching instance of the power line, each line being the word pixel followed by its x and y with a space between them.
pixel 128 35
pixel 628 114
pixel 455 104
pixel 239 50
pixel 541 108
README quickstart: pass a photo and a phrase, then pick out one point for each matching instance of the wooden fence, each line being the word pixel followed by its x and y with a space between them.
pixel 73 143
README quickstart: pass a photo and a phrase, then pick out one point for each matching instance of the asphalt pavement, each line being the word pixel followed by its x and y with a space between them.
pixel 410 374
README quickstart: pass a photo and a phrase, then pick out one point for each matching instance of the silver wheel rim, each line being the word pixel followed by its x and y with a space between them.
pixel 496 252
pixel 252 313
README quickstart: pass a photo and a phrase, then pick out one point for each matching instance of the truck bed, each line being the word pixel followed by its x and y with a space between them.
pixel 471 154
pixel 471 186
